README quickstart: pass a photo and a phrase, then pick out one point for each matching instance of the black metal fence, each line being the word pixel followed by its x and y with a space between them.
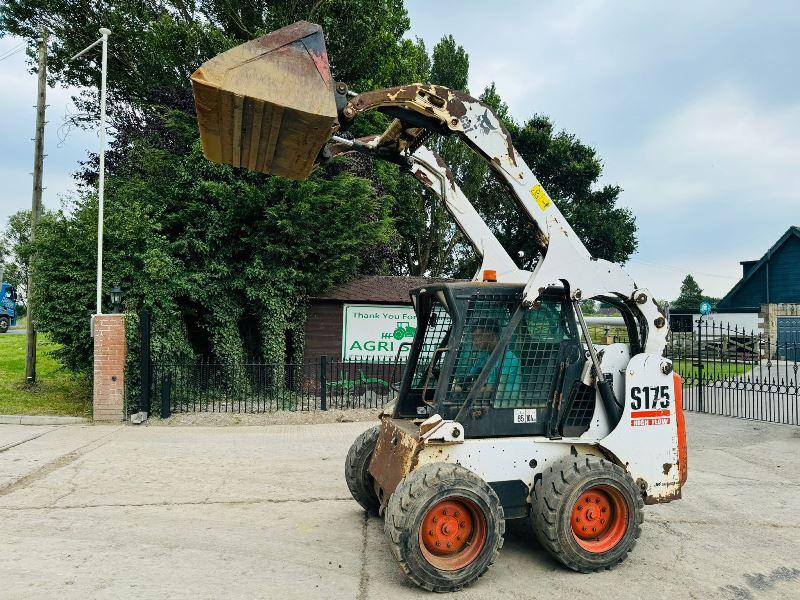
pixel 258 387
pixel 729 370
pixel 726 370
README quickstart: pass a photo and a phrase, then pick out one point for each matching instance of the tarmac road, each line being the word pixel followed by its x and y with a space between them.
pixel 90 511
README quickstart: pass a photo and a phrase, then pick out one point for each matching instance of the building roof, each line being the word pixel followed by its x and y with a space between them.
pixel 763 284
pixel 379 288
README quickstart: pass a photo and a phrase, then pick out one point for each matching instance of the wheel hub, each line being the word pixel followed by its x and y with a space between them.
pixel 453 533
pixel 447 527
pixel 590 514
pixel 599 518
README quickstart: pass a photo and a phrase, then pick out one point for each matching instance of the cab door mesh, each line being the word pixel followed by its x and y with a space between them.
pixel 524 373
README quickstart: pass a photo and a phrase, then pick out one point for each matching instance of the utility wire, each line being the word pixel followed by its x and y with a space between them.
pixel 681 269
pixel 15 50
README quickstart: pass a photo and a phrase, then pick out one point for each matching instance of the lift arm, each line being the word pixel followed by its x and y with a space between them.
pixel 421 110
pixel 429 168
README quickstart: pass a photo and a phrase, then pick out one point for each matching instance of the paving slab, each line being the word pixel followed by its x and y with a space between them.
pixel 44 448
pixel 14 433
pixel 40 420
pixel 263 512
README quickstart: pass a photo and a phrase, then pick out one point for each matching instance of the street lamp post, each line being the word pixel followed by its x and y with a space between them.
pixel 104 32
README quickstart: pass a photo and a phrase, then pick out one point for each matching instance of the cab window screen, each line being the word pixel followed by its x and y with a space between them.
pixel 486 318
pixel 531 359
pixel 437 329
pixel 525 370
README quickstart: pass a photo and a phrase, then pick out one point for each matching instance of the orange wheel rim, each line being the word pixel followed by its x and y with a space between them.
pixel 453 533
pixel 599 518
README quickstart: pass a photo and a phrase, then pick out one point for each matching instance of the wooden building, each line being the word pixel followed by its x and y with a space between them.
pixel 376 295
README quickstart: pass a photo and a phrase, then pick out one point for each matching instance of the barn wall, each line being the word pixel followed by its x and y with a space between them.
pixel 745 321
pixel 769 316
pixel 784 273
pixel 753 293
pixel 323 329
pixel 777 281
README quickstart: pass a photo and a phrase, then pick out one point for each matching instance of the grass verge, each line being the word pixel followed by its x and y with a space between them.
pixel 57 391
pixel 711 369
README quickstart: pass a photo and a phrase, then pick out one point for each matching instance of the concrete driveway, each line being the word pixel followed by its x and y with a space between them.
pixel 263 512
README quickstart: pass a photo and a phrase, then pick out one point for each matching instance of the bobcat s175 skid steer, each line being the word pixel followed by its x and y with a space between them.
pixel 506 409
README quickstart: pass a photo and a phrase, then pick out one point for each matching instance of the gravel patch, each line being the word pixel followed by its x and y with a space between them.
pixel 281 417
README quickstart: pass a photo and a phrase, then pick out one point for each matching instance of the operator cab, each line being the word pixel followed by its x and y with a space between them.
pixel 500 369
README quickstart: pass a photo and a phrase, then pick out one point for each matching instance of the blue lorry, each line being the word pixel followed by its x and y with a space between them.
pixel 8 306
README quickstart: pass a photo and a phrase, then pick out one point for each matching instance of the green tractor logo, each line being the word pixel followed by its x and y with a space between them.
pixel 403 330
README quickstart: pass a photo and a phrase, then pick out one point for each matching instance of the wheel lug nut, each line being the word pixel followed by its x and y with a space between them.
pixel 455 514
pixel 580 507
pixel 444 511
pixel 438 543
pixel 603 509
pixel 602 521
pixel 578 520
pixel 449 544
pixel 430 532
pixel 462 524
pixel 593 529
pixel 435 519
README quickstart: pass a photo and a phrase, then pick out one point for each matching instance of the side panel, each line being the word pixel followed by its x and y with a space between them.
pixel 614 358
pixel 503 459
pixel 509 464
pixel 646 438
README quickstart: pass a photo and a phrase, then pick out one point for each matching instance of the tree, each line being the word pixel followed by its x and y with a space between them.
pixel 690 295
pixel 223 257
pixel 157 44
pixel 588 307
pixel 15 249
pixel 569 170
pixel 428 237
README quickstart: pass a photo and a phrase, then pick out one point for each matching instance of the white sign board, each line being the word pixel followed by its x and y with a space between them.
pixel 376 330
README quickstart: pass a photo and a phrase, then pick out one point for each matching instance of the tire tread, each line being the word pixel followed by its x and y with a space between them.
pixel 409 489
pixel 546 501
pixel 362 449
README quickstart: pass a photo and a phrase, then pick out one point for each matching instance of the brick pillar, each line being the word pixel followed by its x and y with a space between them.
pixel 109 367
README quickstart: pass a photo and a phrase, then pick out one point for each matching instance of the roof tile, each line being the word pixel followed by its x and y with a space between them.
pixel 379 288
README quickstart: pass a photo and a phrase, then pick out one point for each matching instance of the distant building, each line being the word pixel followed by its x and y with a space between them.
pixel 368 317
pixel 767 297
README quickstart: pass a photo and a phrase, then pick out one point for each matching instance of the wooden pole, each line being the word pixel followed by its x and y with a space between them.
pixel 36 202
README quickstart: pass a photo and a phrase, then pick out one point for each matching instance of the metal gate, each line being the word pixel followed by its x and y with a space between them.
pixel 788 337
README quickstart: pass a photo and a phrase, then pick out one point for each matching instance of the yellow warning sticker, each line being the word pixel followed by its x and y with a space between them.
pixel 541 197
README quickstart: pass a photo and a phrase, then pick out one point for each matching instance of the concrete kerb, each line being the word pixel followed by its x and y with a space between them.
pixel 41 420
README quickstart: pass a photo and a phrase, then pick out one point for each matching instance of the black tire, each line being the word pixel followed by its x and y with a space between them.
pixel 559 490
pixel 358 479
pixel 411 503
pixel 4 324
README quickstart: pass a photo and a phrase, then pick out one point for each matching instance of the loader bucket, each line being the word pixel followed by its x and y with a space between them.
pixel 268 105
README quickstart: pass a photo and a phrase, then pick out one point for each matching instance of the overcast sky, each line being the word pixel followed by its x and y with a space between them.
pixel 693 107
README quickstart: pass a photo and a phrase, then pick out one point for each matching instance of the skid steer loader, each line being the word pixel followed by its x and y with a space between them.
pixel 506 409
